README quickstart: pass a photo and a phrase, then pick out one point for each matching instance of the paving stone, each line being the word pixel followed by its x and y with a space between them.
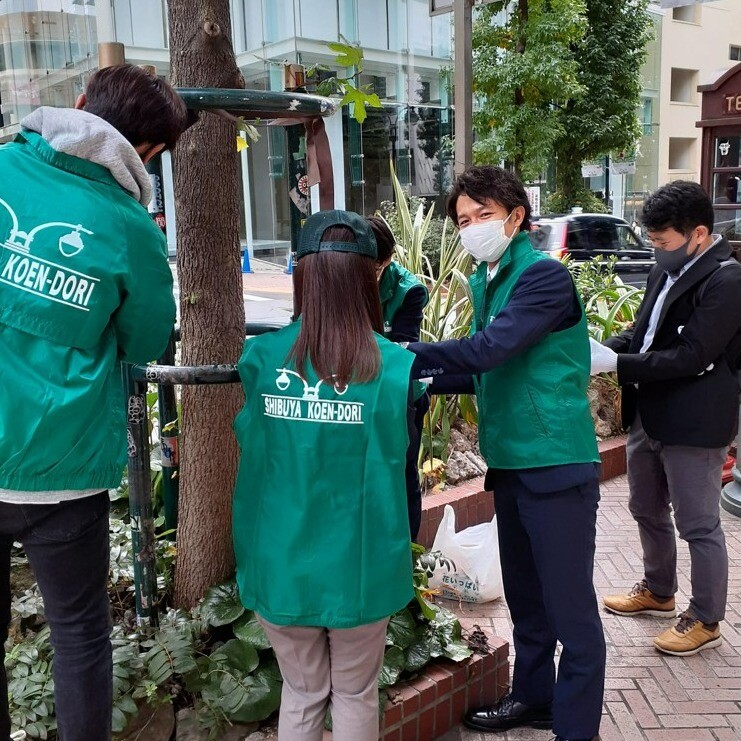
pixel 649 696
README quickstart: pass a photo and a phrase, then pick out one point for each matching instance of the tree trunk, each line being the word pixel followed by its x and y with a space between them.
pixel 207 198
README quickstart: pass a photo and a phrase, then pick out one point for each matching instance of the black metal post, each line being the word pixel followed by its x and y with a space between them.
pixel 140 499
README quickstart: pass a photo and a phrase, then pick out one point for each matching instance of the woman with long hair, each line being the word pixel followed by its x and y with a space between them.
pixel 321 534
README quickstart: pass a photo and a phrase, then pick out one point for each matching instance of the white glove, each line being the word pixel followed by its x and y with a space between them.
pixel 604 360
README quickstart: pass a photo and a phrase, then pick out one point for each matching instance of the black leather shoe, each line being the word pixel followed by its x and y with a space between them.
pixel 508 713
pixel 562 738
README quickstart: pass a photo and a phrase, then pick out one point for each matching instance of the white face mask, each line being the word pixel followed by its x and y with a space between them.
pixel 486 242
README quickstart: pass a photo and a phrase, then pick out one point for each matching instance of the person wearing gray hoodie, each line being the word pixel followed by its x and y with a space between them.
pixel 84 285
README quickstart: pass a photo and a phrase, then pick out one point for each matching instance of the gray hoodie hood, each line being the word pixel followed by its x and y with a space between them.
pixel 81 134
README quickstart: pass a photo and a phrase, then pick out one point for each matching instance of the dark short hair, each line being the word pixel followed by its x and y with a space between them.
pixel 385 240
pixel 681 205
pixel 489 183
pixel 143 107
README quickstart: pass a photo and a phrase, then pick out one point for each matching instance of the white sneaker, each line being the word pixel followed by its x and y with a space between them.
pixel 18 736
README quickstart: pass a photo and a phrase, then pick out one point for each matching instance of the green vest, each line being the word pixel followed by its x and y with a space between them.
pixel 321 532
pixel 396 282
pixel 533 409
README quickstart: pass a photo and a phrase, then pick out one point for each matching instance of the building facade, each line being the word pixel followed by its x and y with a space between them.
pixel 48 49
pixel 699 42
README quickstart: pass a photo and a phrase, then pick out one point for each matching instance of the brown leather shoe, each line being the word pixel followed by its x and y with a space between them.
pixel 640 601
pixel 688 637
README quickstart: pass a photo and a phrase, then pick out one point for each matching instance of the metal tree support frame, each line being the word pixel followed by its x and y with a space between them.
pixel 254 105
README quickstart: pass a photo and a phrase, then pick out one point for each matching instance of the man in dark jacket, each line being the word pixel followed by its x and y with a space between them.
pixel 678 368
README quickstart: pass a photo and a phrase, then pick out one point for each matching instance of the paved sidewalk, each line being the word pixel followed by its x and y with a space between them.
pixel 649 696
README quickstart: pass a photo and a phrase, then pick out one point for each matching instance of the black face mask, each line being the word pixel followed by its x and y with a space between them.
pixel 672 261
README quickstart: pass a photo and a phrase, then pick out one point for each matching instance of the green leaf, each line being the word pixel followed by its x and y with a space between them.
pixel 221 605
pixel 347 55
pixel 249 630
pixel 119 720
pixel 417 656
pixel 238 655
pixel 457 651
pixel 263 697
pixel 401 630
pixel 393 665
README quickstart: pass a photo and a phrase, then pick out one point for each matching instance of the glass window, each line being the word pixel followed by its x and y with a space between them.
pixel 373 24
pixel 420 27
pixel 45 55
pixel 319 20
pixel 727 187
pixel 397 24
pixel 442 35
pixel 604 237
pixel 141 23
pixel 253 24
pixel 728 223
pixel 627 240
pixel 734 53
pixel 279 20
pixel 728 151
pixel 578 237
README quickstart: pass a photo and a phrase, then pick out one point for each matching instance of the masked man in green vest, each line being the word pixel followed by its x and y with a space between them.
pixel 84 285
pixel 403 300
pixel 528 361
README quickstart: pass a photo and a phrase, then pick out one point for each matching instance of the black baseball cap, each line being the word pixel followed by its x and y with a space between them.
pixel 310 240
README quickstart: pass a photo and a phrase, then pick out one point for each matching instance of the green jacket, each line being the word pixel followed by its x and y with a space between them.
pixel 84 284
pixel 321 532
pixel 395 284
pixel 533 409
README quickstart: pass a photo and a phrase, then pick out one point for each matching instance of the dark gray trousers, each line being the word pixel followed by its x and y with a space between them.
pixel 686 480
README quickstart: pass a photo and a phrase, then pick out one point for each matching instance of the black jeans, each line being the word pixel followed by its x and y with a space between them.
pixel 68 547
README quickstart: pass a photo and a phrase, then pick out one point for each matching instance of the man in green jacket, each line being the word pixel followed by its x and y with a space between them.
pixel 528 360
pixel 84 285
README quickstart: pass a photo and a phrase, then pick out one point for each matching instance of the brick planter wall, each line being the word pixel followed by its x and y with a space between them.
pixel 432 704
pixel 473 505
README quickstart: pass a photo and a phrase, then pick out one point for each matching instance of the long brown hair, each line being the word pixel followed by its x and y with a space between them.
pixel 337 299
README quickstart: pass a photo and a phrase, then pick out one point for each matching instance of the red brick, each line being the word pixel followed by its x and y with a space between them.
pixel 392 735
pixel 458 705
pixel 409 700
pixel 426 728
pixel 442 716
pixel 392 715
pixel 427 691
pixel 409 731
pixel 442 677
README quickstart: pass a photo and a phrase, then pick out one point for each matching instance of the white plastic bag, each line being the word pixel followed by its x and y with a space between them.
pixel 467 567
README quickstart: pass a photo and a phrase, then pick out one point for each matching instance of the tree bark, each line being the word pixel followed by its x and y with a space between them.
pixel 207 197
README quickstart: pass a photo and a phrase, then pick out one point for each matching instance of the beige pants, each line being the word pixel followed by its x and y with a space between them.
pixel 334 666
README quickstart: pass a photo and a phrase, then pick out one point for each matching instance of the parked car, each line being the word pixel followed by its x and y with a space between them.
pixel 584 236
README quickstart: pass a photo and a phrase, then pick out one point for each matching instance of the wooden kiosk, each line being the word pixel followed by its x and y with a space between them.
pixel 721 152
